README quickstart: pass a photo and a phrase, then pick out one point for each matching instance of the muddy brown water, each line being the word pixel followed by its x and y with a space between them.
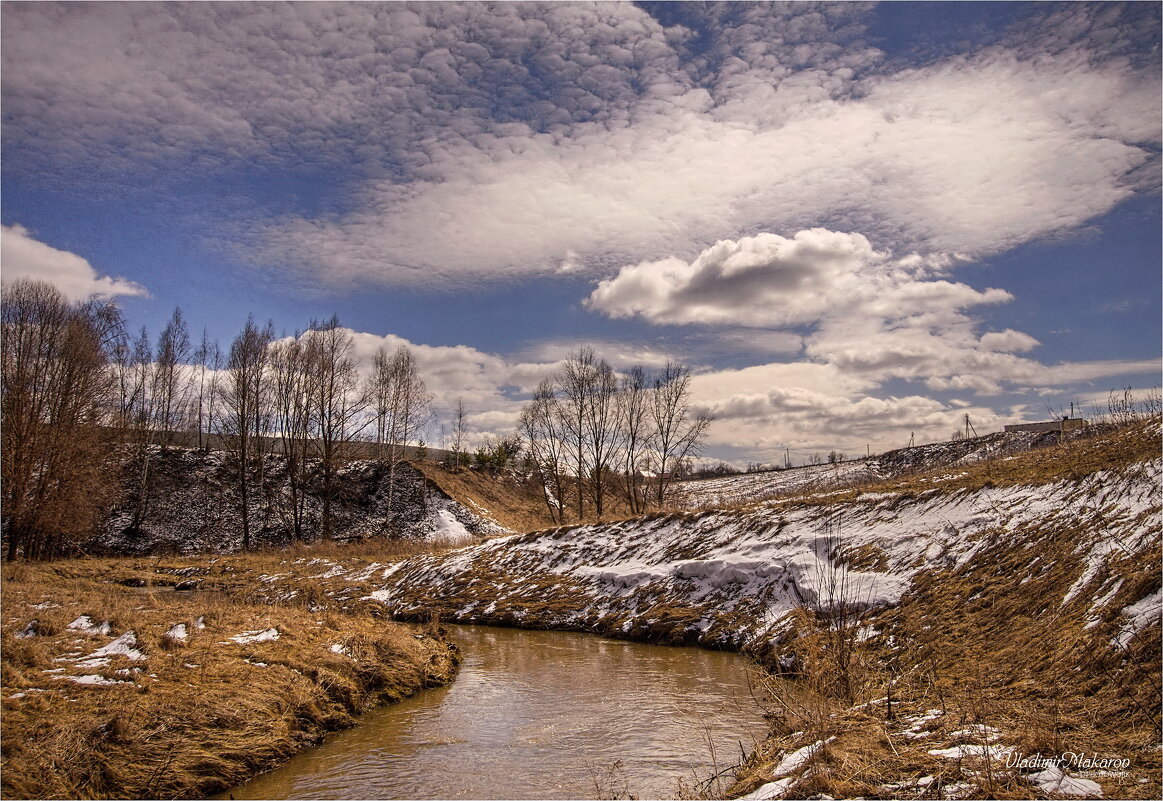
pixel 537 714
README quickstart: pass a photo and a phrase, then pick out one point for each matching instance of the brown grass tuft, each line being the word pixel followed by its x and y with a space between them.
pixel 195 716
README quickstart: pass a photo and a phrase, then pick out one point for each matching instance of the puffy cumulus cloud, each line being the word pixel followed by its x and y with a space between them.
pixel 501 140
pixel 858 312
pixel 493 388
pixel 25 257
pixel 1009 340
pixel 770 280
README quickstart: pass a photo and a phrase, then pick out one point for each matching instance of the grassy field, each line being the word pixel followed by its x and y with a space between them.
pixel 146 691
pixel 982 665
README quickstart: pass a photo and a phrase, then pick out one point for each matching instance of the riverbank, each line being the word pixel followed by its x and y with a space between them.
pixel 948 632
pixel 146 691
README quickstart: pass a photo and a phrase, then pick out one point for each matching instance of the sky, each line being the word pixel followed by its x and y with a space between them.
pixel 856 223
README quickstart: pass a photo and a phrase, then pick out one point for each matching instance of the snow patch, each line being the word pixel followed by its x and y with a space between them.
pixel 446 528
pixel 1141 614
pixel 248 637
pixel 771 791
pixel 125 645
pixel 85 625
pixel 1056 781
pixel 973 752
pixel 794 761
pixel 92 680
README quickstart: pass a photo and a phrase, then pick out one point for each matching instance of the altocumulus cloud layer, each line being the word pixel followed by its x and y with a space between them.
pixel 500 140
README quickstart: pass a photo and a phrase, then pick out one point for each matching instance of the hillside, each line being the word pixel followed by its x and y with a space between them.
pixel 952 628
pixel 1003 607
pixel 193 507
pixel 768 484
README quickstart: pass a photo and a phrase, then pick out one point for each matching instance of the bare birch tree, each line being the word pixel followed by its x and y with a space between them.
pixel 141 428
pixel 678 435
pixel 540 425
pixel 338 403
pixel 242 399
pixel 459 418
pixel 637 435
pixel 575 382
pixel 291 398
pixel 400 402
pixel 171 379
pixel 602 428
pixel 208 361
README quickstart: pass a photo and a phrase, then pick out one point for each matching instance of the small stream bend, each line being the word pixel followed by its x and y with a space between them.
pixel 537 714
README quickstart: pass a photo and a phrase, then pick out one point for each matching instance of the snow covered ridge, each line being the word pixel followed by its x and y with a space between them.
pixel 193 507
pixel 750 487
pixel 730 578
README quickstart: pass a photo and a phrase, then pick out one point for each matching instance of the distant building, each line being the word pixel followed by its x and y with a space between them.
pixel 1065 424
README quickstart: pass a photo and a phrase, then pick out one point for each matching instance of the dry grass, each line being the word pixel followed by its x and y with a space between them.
pixel 520 507
pixel 1079 454
pixel 195 716
pixel 517 507
pixel 991 643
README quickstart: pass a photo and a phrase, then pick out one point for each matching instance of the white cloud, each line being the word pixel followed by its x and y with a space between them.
pixel 870 317
pixel 1009 341
pixel 22 256
pixel 499 141
pixel 975 156
pixel 619 355
pixel 769 280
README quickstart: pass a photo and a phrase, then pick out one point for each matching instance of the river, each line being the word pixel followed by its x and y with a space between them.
pixel 537 714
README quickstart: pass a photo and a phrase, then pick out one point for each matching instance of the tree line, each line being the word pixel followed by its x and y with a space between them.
pixel 594 437
pixel 79 390
pixel 89 408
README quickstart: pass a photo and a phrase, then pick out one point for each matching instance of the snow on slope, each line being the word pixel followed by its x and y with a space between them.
pixel 730 578
pixel 194 507
pixel 750 487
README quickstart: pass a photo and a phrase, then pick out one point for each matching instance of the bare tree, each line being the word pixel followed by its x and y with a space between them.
pixel 338 403
pixel 634 415
pixel 208 360
pixel 541 427
pixel 141 416
pixel 678 435
pixel 458 423
pixel 242 399
pixel 171 380
pixel 602 431
pixel 291 398
pixel 575 383
pixel 55 394
pixel 400 402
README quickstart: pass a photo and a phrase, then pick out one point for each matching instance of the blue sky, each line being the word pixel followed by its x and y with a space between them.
pixel 854 221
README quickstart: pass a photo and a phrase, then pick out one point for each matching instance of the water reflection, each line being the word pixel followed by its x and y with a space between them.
pixel 539 715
